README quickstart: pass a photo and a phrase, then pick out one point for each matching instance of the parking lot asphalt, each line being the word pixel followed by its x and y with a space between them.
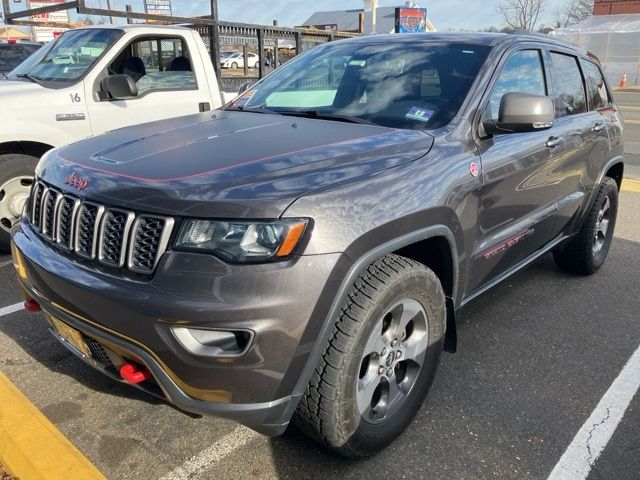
pixel 535 356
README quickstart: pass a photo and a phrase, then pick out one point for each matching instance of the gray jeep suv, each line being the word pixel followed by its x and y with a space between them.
pixel 301 253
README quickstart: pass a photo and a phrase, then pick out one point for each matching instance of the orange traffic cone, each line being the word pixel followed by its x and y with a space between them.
pixel 623 82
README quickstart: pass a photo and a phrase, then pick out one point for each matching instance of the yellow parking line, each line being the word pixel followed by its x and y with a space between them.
pixel 629 107
pixel 631 185
pixel 31 447
pixel 632 122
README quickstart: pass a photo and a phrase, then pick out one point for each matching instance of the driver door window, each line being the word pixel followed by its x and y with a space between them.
pixel 156 64
pixel 522 73
pixel 165 75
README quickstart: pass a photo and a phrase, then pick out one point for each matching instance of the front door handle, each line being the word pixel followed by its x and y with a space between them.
pixel 553 142
pixel 598 127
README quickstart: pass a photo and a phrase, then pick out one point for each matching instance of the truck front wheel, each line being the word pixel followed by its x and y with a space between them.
pixel 16 178
pixel 379 361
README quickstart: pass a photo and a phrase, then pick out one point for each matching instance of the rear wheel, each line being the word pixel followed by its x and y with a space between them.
pixel 380 360
pixel 234 65
pixel 16 178
pixel 588 250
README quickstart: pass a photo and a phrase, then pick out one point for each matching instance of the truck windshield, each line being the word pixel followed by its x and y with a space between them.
pixel 397 84
pixel 69 57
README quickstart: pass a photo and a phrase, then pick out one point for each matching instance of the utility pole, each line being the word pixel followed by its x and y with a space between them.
pixel 109 8
pixel 214 9
pixel 373 4
pixel 214 39
pixel 374 13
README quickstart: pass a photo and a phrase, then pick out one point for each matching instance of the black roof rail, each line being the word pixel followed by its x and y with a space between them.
pixel 522 31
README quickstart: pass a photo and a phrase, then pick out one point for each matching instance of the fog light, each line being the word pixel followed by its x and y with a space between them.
pixel 214 343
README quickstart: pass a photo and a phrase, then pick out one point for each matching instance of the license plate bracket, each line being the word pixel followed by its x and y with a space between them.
pixel 70 336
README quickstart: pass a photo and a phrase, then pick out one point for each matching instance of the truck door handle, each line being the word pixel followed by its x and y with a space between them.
pixel 553 142
pixel 598 127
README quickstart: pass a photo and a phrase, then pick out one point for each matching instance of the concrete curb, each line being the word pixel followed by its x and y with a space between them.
pixel 31 447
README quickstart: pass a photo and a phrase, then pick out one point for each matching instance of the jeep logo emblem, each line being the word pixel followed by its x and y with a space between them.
pixel 76 182
pixel 390 358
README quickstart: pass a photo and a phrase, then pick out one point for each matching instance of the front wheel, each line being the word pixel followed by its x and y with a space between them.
pixel 380 359
pixel 16 178
pixel 588 250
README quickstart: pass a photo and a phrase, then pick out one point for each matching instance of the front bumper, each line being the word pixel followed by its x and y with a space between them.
pixel 283 304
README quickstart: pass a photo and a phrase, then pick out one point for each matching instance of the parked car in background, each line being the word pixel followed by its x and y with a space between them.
pixel 89 81
pixel 13 54
pixel 236 60
pixel 303 252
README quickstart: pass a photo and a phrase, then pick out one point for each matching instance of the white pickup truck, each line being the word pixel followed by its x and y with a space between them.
pixel 90 81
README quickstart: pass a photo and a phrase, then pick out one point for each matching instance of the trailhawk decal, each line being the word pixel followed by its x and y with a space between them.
pixel 504 246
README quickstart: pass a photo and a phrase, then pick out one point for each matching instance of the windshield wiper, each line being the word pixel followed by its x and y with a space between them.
pixel 259 109
pixel 28 76
pixel 327 116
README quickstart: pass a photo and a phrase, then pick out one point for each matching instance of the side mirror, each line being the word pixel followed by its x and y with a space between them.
pixel 244 87
pixel 522 112
pixel 119 87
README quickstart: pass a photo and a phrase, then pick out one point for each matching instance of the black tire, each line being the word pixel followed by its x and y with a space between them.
pixel 580 255
pixel 234 65
pixel 328 411
pixel 12 165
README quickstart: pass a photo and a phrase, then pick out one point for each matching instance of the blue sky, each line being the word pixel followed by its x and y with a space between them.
pixel 445 14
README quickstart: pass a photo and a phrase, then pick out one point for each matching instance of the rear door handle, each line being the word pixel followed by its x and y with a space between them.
pixel 553 142
pixel 598 127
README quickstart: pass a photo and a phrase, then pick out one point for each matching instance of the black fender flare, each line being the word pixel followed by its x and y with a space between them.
pixel 356 269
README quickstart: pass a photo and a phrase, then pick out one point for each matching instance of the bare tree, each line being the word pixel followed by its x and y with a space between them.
pixel 521 14
pixel 574 11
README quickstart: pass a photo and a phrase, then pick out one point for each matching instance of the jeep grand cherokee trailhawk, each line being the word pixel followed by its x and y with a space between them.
pixel 301 252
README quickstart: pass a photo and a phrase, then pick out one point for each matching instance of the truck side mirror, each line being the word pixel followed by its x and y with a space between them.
pixel 119 87
pixel 522 112
pixel 244 87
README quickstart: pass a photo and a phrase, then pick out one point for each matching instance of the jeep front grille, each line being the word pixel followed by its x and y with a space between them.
pixel 111 236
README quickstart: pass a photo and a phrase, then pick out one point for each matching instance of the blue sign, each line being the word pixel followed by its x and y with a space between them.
pixel 411 20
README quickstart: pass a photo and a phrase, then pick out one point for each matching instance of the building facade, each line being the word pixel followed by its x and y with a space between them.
pixel 616 7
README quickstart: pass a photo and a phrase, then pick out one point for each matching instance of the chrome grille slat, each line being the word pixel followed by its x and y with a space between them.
pixel 148 242
pixel 113 237
pixel 50 204
pixel 36 204
pixel 86 233
pixel 114 232
pixel 66 221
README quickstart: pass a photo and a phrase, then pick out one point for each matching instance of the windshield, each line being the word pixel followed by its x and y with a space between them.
pixel 69 57
pixel 13 55
pixel 397 84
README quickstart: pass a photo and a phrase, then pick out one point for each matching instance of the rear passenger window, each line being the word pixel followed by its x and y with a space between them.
pixel 568 90
pixel 596 88
pixel 522 73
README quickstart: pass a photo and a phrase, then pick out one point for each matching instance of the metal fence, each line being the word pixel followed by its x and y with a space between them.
pixel 274 46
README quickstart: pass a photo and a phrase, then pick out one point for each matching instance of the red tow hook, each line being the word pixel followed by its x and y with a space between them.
pixel 31 305
pixel 134 373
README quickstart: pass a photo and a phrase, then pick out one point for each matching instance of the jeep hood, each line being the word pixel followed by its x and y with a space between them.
pixel 226 164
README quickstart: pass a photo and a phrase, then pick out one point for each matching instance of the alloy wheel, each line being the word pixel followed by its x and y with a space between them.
pixel 13 196
pixel 392 360
pixel 602 226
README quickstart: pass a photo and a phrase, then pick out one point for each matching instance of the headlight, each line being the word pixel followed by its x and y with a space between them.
pixel 241 241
